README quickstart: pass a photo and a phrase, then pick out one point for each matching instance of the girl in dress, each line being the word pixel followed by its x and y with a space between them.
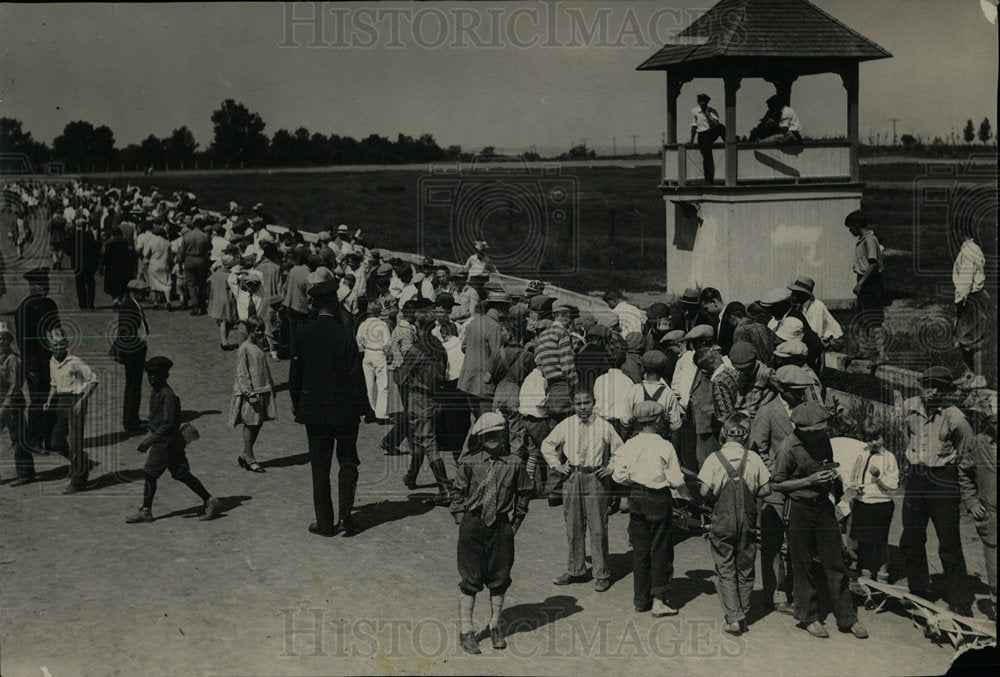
pixel 253 391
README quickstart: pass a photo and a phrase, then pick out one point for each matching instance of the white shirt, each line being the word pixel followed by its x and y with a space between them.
pixel 667 399
pixel 396 287
pixel 821 321
pixel 532 396
pixel 789 120
pixel 699 120
pixel 861 476
pixel 407 293
pixel 649 460
pixel 584 443
pixel 456 356
pixel 71 376
pixel 630 318
pixel 373 334
pixel 427 289
pixel 613 395
pixel 969 271
pixel 714 475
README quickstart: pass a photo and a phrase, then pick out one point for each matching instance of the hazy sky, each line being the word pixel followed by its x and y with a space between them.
pixel 387 68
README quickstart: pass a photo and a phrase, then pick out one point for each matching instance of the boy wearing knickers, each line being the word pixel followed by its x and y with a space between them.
pixel 166 445
pixel 490 484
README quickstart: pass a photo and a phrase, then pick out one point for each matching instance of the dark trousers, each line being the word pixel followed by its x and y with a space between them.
pixel 86 287
pixel 773 575
pixel 24 462
pixel 485 554
pixel 705 141
pixel 195 279
pixel 649 525
pixel 813 531
pixel 133 361
pixel 932 494
pixel 323 439
pixel 734 555
pixel 67 437
pixel 38 429
pixel 295 319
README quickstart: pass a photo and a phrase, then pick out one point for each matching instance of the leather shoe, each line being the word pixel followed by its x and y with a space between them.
pixel 21 481
pixel 602 585
pixel 733 628
pixel 857 630
pixel 817 629
pixel 567 578
pixel 497 638
pixel 410 483
pixel 314 529
pixel 468 642
pixel 139 516
pixel 212 508
pixel 73 489
pixel 555 501
pixel 783 608
pixel 349 528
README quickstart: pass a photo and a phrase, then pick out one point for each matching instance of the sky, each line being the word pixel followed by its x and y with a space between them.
pixel 517 75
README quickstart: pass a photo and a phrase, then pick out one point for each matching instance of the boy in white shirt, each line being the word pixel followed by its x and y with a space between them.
pixel 647 464
pixel 874 478
pixel 732 478
pixel 654 388
pixel 587 441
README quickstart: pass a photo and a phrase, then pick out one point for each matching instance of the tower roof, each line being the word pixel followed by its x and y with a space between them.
pixel 754 36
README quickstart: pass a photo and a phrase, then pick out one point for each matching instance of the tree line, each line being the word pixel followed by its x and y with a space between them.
pixel 239 141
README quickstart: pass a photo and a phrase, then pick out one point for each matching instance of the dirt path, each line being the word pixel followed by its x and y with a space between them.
pixel 253 593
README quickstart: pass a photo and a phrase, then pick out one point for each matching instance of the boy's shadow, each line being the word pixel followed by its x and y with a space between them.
pixel 694 583
pixel 228 503
pixel 530 617
pixel 372 515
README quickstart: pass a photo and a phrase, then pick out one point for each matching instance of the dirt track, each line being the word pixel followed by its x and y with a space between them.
pixel 253 593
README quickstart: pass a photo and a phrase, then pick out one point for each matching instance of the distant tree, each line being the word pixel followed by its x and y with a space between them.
pixel 13 139
pixel 82 146
pixel 489 150
pixel 908 140
pixel 152 152
pixel 453 152
pixel 319 149
pixel 239 135
pixel 985 133
pixel 580 152
pixel 180 147
pixel 938 141
pixel 969 132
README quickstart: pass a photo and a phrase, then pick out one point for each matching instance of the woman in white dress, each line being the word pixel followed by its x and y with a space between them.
pixel 157 255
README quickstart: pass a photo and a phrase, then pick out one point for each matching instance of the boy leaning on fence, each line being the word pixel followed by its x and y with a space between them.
pixel 732 479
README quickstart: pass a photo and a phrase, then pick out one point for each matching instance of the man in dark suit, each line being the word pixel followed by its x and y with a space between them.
pixel 129 350
pixel 36 315
pixel 328 393
pixel 86 257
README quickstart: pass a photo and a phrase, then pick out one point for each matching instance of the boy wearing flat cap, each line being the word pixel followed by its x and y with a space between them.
pixel 805 472
pixel 490 485
pixel 166 445
pixel 72 384
pixel 647 464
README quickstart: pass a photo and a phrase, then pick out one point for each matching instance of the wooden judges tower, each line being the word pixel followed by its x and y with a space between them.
pixel 780 211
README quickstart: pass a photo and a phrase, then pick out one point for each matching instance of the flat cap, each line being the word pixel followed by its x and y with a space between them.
pixel 324 289
pixel 540 303
pixel 598 331
pixel 657 310
pixel 647 411
pixel 794 348
pixel 742 355
pixel 653 360
pixel 384 269
pixel 672 337
pixel 158 363
pixel 490 422
pixel 775 296
pixel 634 341
pixel 702 331
pixel 791 376
pixel 810 416
pixel 498 297
pixel 563 306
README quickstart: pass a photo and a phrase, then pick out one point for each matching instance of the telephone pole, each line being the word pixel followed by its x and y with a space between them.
pixel 634 137
pixel 894 121
pixel 614 146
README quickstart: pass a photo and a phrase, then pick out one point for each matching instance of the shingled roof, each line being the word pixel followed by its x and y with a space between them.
pixel 766 31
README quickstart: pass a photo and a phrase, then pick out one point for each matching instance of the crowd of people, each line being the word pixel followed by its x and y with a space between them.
pixel 719 405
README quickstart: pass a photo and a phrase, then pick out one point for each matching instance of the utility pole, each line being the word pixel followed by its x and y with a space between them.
pixel 614 146
pixel 634 137
pixel 894 121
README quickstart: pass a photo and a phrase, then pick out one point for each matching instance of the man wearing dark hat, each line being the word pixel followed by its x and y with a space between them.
pixel 86 259
pixel 689 306
pixel 327 389
pixel 129 350
pixel 707 129
pixel 36 314
pixel 166 445
pixel 483 343
pixel 754 386
pixel 940 438
pixel 816 313
pixel 804 471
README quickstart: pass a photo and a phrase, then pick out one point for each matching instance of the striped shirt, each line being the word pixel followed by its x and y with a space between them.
pixel 554 355
pixel 725 388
